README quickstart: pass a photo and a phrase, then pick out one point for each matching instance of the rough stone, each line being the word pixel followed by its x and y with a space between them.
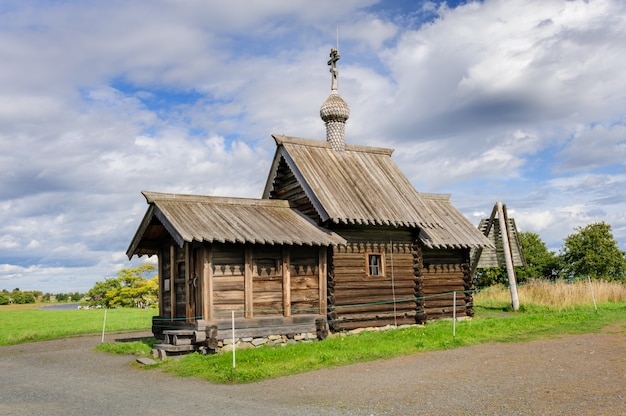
pixel 259 341
pixel 146 361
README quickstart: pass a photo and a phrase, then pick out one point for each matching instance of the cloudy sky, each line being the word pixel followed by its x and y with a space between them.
pixel 519 101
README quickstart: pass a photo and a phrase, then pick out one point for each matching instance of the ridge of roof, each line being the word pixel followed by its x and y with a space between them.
pixel 154 197
pixel 282 140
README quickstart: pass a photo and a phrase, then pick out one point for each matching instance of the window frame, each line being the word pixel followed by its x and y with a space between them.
pixel 369 266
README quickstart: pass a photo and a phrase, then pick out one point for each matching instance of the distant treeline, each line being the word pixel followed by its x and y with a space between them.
pixel 18 296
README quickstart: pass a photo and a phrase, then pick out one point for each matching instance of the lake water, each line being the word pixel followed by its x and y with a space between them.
pixel 61 307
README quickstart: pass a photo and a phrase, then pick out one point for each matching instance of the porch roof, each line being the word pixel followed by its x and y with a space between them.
pixel 188 218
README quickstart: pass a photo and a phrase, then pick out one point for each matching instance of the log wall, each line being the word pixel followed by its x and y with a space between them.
pixel 444 272
pixel 356 299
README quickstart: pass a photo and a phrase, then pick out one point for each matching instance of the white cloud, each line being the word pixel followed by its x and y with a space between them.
pixel 518 101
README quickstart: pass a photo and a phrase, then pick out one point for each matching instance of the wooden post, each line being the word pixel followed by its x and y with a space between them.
pixel 161 281
pixel 508 257
pixel 321 276
pixel 247 284
pixel 189 313
pixel 173 276
pixel 286 281
pixel 207 284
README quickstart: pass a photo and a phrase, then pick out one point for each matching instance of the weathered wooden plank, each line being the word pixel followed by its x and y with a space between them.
pixel 229 296
pixel 305 307
pixel 228 283
pixel 358 294
pixel 267 286
pixel 434 282
pixel 286 283
pixel 268 308
pixel 365 299
pixel 304 295
pixel 401 307
pixel 366 316
pixel 375 284
pixel 443 303
pixel 261 297
pixel 428 290
pixel 308 282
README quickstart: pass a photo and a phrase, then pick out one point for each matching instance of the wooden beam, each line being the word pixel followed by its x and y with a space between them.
pixel 322 268
pixel 247 284
pixel 286 266
pixel 207 283
pixel 173 272
pixel 161 281
pixel 508 257
pixel 188 270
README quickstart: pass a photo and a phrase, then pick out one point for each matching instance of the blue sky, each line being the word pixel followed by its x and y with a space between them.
pixel 522 102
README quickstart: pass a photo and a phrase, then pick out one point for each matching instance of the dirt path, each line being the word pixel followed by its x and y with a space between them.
pixel 575 374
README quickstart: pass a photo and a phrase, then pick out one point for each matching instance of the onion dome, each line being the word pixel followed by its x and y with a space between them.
pixel 335 111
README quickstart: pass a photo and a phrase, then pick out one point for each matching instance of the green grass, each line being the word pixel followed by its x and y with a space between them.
pixel 26 325
pixel 139 348
pixel 271 362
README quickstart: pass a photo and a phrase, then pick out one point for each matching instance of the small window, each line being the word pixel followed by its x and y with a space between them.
pixel 375 264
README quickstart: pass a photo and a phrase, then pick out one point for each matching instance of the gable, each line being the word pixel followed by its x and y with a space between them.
pixel 359 186
pixel 189 218
pixel 286 185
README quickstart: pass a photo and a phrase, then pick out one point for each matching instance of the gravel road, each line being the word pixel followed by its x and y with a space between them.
pixel 573 374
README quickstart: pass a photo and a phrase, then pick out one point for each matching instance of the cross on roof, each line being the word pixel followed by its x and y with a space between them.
pixel 334 57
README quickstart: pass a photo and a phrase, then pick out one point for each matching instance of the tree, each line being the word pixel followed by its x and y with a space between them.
pixel 4 299
pixel 17 296
pixel 593 251
pixel 97 295
pixel 132 288
pixel 29 297
pixel 540 262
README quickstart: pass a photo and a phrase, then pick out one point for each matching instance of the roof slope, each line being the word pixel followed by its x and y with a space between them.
pixel 363 185
pixel 237 220
pixel 457 231
pixel 359 186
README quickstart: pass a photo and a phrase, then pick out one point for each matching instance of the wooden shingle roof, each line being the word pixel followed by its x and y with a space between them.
pixel 189 218
pixel 363 185
pixel 359 186
pixel 457 231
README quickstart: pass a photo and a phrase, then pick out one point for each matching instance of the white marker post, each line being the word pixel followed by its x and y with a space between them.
pixel 593 296
pixel 104 324
pixel 454 314
pixel 234 361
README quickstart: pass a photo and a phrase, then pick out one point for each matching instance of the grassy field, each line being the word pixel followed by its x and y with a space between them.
pixel 25 323
pixel 558 295
pixel 266 362
pixel 548 310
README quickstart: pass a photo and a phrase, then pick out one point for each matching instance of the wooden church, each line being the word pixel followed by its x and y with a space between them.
pixel 339 240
